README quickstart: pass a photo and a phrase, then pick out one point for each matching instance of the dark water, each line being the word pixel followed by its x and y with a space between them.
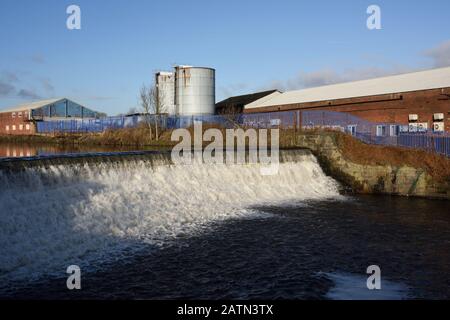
pixel 287 255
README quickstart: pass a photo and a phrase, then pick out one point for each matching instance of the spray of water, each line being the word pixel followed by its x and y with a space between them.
pixel 60 215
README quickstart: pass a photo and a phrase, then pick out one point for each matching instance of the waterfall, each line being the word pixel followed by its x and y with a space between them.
pixel 55 213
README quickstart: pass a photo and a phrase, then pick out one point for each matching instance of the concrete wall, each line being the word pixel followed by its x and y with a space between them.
pixel 392 108
pixel 16 123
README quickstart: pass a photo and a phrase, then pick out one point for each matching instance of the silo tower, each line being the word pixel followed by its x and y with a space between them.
pixel 165 88
pixel 194 90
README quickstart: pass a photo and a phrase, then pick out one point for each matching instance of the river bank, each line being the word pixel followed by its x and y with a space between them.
pixel 372 169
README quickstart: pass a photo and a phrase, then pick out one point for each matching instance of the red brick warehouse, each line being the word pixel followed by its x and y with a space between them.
pixel 422 96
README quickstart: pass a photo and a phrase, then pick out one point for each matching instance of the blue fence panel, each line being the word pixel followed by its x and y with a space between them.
pixel 438 143
pixel 368 132
pixel 285 119
pixel 337 121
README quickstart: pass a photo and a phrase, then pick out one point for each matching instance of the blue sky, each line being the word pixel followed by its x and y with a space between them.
pixel 253 45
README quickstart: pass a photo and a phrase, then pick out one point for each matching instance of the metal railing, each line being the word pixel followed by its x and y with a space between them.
pixel 366 131
pixel 390 134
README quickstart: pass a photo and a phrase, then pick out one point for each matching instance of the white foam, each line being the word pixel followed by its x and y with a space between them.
pixel 54 217
pixel 348 286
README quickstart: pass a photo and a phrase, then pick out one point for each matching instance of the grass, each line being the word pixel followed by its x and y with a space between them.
pixel 136 137
pixel 356 151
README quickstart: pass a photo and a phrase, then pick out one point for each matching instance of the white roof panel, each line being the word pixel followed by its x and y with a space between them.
pixel 423 80
pixel 32 105
pixel 262 100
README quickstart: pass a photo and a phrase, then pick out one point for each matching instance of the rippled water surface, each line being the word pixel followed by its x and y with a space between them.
pixel 287 254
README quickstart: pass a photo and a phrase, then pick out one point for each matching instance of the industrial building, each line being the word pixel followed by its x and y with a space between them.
pixel 420 99
pixel 187 90
pixel 236 104
pixel 21 120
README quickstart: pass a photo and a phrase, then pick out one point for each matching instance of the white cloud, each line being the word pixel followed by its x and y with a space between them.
pixel 28 94
pixel 6 89
pixel 329 76
pixel 47 85
pixel 38 58
pixel 440 54
pixel 232 90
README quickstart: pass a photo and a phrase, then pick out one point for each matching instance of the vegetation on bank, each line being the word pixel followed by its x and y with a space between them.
pixel 353 149
pixel 133 137
pixel 359 152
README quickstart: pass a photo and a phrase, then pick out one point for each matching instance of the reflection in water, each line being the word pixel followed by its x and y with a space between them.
pixel 19 150
pixel 9 151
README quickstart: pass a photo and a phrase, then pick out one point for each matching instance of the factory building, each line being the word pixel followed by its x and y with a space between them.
pixel 187 91
pixel 21 120
pixel 236 104
pixel 420 98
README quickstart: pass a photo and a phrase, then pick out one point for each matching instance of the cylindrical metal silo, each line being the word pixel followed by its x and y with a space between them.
pixel 165 85
pixel 195 90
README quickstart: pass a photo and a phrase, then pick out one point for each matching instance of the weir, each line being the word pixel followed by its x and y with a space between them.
pixel 61 211
pixel 152 158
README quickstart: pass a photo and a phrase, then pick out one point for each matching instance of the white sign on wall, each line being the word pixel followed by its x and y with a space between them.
pixel 403 128
pixel 422 127
pixel 275 122
pixel 412 127
pixel 438 127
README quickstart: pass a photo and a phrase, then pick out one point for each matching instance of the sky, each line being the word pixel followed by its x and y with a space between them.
pixel 253 45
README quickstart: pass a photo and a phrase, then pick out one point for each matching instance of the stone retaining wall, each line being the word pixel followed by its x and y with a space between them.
pixel 405 181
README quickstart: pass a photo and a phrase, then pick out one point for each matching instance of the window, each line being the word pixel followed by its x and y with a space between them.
pixel 13 114
pixel 20 127
pixel 41 112
pixel 352 129
pixel 27 127
pixel 20 114
pixel 87 113
pixel 74 110
pixel 381 131
pixel 58 110
pixel 14 127
pixel 7 128
pixel 394 130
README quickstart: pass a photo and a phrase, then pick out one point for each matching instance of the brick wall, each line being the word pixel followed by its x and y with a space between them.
pixel 16 123
pixel 393 108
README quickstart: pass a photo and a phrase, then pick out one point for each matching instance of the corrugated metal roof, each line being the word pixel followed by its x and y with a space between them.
pixel 263 99
pixel 32 105
pixel 245 99
pixel 423 80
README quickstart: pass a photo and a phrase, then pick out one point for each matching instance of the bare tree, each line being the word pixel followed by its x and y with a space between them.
pixel 146 98
pixel 152 104
pixel 159 107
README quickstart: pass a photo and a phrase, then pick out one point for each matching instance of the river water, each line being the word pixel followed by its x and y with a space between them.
pixel 144 231
pixel 21 150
